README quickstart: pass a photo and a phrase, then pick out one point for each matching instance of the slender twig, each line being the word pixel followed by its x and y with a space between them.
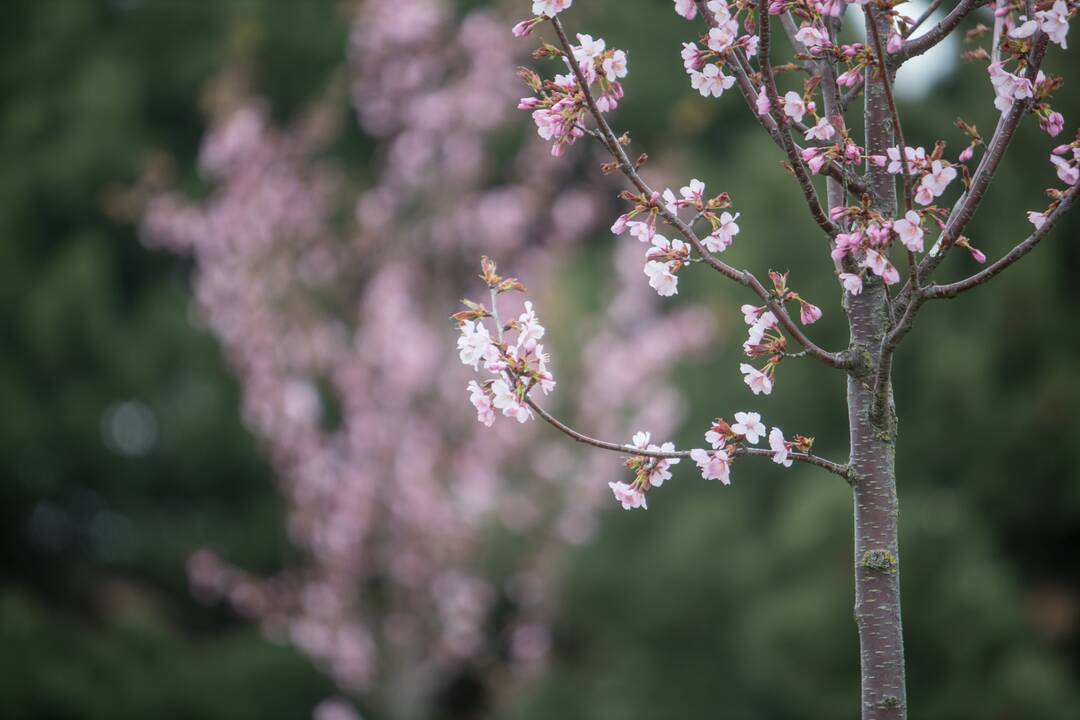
pixel 742 277
pixel 912 297
pixel 999 25
pixel 742 71
pixel 951 290
pixel 919 45
pixel 768 81
pixel 966 205
pixel 836 468
pixel 898 133
pixel 921 19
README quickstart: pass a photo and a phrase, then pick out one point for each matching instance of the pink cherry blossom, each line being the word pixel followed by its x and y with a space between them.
pixel 485 409
pixel 935 182
pixel 812 37
pixel 881 266
pixel 721 238
pixel 851 282
pixel 794 106
pixel 910 231
pixel 659 470
pixel 751 313
pixel 1055 22
pixel 661 279
pixel 823 130
pixel 474 341
pixel 714 465
pixel 781 451
pixel 692 56
pixel 722 37
pixel 749 425
pixel 913 157
pixel 711 81
pixel 589 49
pixel 686 8
pixel 506 399
pixel 1036 218
pixel 1066 171
pixel 758 381
pixel 615 66
pixel 1007 87
pixel 629 496
pixel 550 8
pixel 1025 29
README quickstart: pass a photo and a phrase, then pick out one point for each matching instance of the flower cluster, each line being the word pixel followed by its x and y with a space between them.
pixel 726 441
pixel 765 338
pixel 559 107
pixel 1066 161
pixel 518 365
pixel 1015 46
pixel 1054 22
pixel 933 172
pixel 706 66
pixel 845 151
pixel 665 258
pixel 648 472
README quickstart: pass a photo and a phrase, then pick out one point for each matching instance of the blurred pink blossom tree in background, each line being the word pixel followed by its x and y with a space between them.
pixel 329 298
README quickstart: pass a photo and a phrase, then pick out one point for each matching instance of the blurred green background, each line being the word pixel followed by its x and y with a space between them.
pixel 735 605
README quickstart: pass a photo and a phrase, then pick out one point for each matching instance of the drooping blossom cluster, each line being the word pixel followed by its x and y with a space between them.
pixel 1016 43
pixel 559 108
pixel 706 66
pixel 514 355
pixel 765 337
pixel 664 258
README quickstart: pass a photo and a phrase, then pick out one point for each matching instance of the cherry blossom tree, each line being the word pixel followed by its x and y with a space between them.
pixel 883 200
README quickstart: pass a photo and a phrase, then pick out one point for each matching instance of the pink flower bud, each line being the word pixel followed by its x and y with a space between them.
pixel 1053 123
pixel 763 103
pixel 523 28
pixel 967 153
pixel 895 41
pixel 808 313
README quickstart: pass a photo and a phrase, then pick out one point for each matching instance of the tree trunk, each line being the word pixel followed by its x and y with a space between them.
pixel 877 555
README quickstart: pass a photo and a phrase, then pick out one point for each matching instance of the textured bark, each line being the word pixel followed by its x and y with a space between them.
pixel 877 555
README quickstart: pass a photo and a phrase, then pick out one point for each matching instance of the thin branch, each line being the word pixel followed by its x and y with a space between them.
pixel 768 80
pixel 742 71
pixel 966 205
pixel 742 277
pixel 916 47
pixel 921 19
pixel 999 26
pixel 951 290
pixel 898 133
pixel 850 95
pixel 843 471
